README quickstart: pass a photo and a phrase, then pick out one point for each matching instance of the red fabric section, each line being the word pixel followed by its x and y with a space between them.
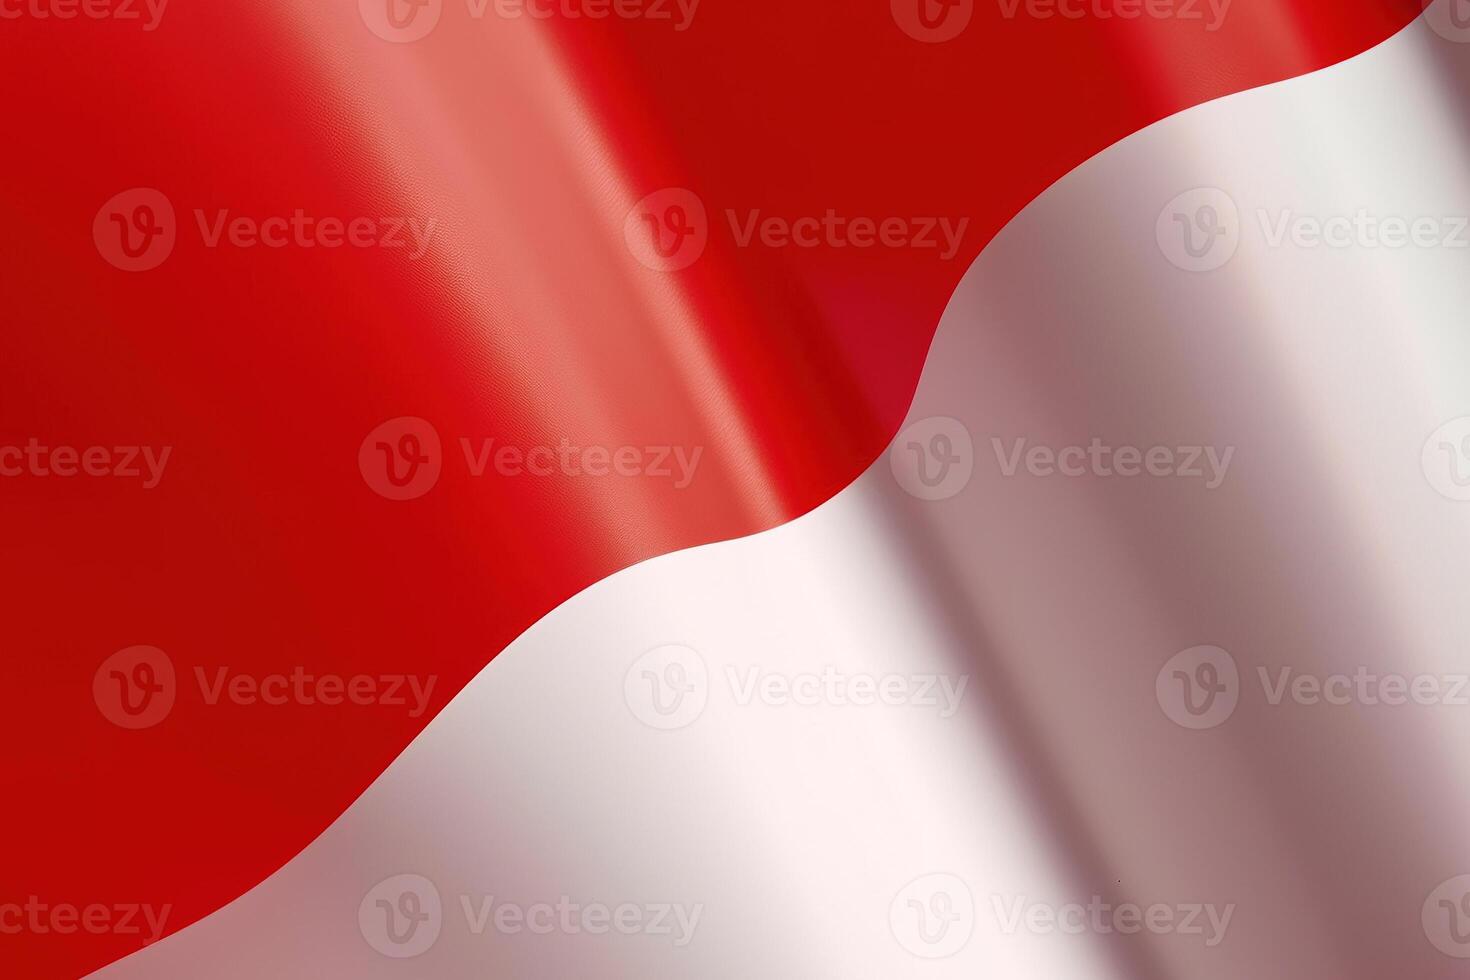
pixel 528 320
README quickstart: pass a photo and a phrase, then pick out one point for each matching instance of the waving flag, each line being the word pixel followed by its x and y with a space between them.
pixel 680 489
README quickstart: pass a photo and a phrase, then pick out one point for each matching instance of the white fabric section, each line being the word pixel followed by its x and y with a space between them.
pixel 1064 814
